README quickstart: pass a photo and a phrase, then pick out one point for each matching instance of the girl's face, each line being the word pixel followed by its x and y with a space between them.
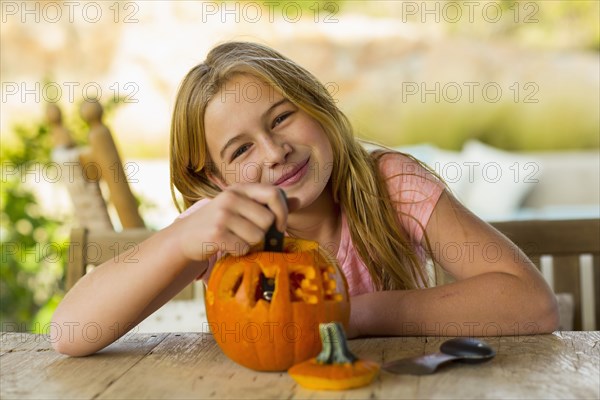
pixel 255 135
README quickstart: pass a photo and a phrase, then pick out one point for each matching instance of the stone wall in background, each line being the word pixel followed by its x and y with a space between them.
pixel 399 82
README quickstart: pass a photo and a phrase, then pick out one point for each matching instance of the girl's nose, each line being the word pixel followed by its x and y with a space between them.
pixel 275 152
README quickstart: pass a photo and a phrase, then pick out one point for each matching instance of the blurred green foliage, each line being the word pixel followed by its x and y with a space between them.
pixel 306 8
pixel 34 245
pixel 542 59
pixel 550 97
pixel 572 24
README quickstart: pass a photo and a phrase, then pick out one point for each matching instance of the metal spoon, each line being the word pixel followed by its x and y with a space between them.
pixel 467 350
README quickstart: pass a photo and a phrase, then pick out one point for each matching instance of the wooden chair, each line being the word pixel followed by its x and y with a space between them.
pixel 89 207
pixel 567 252
pixel 90 166
pixel 90 248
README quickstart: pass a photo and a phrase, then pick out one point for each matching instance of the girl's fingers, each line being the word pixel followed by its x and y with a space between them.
pixel 240 205
pixel 245 230
pixel 240 216
pixel 267 195
pixel 233 245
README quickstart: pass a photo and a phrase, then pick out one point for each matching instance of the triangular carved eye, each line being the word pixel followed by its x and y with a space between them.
pixel 236 285
pixel 231 282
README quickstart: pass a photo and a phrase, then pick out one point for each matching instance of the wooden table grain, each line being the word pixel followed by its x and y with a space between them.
pixel 191 365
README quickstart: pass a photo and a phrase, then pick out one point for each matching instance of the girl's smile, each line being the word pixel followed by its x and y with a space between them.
pixel 297 173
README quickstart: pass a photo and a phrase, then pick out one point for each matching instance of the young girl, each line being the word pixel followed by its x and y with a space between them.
pixel 249 122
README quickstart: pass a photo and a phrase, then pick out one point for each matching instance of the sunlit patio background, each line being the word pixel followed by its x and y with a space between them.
pixel 450 82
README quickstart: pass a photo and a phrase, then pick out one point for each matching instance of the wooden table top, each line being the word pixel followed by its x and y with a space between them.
pixel 191 365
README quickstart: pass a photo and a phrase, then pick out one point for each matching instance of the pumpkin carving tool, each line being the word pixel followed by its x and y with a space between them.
pixel 273 243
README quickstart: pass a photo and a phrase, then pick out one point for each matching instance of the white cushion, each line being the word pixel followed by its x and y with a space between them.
pixel 495 181
pixel 490 182
pixel 446 163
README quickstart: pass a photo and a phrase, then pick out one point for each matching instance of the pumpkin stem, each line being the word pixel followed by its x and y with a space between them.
pixel 335 348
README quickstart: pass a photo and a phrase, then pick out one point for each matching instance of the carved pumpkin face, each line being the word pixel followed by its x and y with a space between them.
pixel 273 331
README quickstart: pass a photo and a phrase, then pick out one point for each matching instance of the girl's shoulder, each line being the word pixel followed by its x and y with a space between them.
pixel 394 164
pixel 413 188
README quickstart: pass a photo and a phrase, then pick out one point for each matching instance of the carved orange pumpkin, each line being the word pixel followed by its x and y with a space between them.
pixel 273 331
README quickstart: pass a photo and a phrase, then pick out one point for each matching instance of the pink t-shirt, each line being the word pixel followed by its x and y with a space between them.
pixel 411 187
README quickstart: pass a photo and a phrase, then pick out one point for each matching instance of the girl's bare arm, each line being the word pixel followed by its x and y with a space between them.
pixel 116 296
pixel 498 290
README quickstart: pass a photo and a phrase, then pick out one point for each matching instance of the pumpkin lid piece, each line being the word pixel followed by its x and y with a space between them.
pixel 335 368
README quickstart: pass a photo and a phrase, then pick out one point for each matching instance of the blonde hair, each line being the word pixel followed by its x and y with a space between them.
pixel 356 181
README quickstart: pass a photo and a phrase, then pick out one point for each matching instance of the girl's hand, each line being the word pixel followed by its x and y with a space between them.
pixel 233 221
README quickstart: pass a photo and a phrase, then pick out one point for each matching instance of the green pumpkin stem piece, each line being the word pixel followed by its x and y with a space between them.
pixel 335 348
pixel 335 368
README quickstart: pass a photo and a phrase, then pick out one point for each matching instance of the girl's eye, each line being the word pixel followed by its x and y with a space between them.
pixel 280 119
pixel 240 150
